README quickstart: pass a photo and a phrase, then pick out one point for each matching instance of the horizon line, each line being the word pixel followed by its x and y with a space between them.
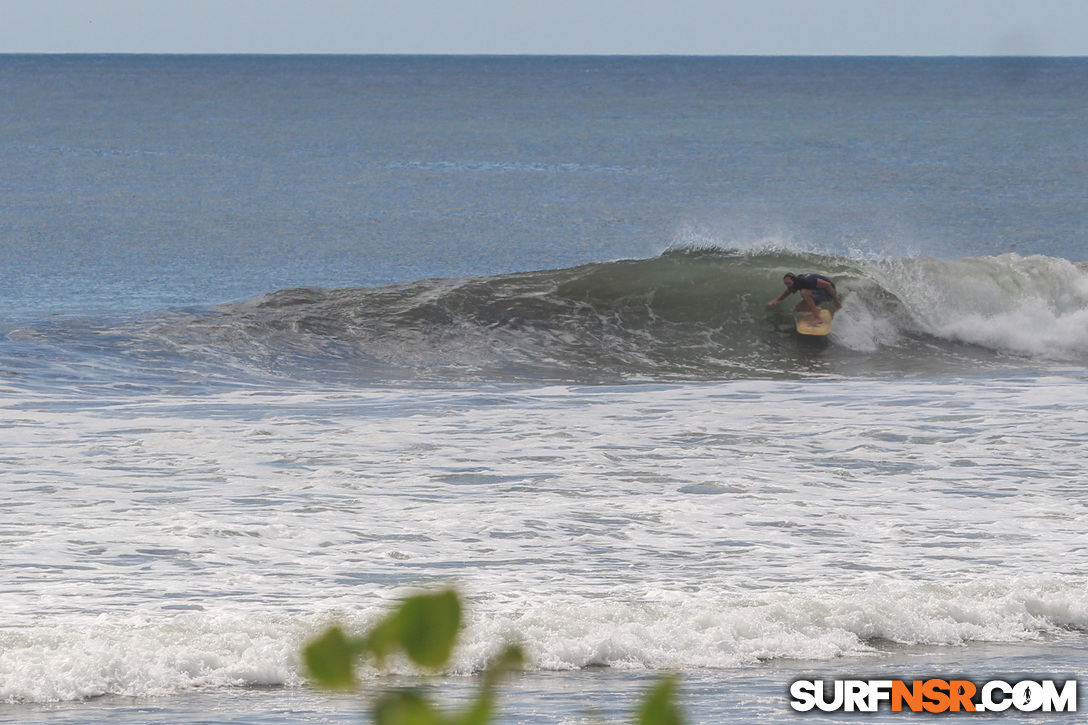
pixel 532 55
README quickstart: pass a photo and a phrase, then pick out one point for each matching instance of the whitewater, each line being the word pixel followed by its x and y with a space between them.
pixel 287 339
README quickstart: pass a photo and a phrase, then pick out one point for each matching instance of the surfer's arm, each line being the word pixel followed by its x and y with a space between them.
pixel 830 289
pixel 779 298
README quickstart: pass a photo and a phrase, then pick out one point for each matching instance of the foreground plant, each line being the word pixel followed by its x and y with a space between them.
pixel 425 629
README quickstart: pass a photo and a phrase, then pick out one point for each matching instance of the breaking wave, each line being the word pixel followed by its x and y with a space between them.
pixel 688 314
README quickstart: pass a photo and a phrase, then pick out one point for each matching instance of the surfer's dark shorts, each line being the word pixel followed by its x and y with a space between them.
pixel 820 295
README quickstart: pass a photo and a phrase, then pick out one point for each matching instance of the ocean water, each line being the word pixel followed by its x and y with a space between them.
pixel 283 339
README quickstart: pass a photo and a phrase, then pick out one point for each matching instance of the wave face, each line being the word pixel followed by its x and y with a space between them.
pixel 698 314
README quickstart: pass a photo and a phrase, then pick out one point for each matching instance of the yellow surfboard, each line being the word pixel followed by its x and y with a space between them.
pixel 807 324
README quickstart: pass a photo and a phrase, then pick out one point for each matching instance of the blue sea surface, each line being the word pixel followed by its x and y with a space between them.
pixel 136 183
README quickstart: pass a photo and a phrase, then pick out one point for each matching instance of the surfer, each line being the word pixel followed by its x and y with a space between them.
pixel 814 288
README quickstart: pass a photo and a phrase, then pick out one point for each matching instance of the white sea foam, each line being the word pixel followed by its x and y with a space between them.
pixel 145 654
pixel 158 545
pixel 685 630
pixel 1035 306
pixel 154 653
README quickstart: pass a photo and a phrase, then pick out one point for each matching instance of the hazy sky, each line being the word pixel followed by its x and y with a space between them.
pixel 695 27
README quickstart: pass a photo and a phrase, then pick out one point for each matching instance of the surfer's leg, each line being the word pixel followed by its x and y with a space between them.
pixel 807 304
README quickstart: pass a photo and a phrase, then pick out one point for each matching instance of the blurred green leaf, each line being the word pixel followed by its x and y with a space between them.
pixel 406 707
pixel 382 641
pixel 480 713
pixel 330 659
pixel 511 659
pixel 427 627
pixel 483 709
pixel 660 707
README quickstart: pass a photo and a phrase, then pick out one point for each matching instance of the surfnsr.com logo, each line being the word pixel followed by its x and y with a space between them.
pixel 934 695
